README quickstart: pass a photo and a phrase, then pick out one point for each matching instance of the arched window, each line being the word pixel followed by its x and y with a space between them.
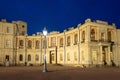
pixel 37 57
pixel 83 35
pixel 37 44
pixel 21 57
pixel 29 57
pixel 21 43
pixel 109 36
pixel 29 44
pixel 92 34
pixel 75 38
pixel 61 42
pixel 68 41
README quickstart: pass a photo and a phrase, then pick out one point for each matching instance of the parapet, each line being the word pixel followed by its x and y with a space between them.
pixel 3 20
pixel 101 22
pixel 54 32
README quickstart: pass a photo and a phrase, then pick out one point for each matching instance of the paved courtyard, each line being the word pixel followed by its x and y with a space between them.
pixel 58 73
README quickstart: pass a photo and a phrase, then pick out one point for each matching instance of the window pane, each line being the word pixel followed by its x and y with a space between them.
pixel 61 42
pixel 68 41
pixel 29 57
pixel 21 57
pixel 37 57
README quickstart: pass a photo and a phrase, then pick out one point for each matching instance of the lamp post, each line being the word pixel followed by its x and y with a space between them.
pixel 45 34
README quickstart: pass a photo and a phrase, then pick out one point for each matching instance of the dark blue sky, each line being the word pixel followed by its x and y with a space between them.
pixel 58 15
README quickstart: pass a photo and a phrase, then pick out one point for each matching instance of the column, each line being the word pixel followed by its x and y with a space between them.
pixel 78 45
pixel 64 47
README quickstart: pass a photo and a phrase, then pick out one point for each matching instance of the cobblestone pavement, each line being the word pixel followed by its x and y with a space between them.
pixel 58 73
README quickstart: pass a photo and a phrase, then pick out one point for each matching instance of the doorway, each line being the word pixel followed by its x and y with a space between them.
pixel 104 52
pixel 7 58
pixel 52 57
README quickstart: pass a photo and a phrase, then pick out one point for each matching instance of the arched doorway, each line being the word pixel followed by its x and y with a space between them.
pixel 104 53
pixel 52 57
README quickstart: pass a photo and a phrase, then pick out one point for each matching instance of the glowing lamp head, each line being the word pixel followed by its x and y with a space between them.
pixel 45 32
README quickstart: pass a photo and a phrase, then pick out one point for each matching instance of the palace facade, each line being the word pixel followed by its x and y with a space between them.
pixel 91 43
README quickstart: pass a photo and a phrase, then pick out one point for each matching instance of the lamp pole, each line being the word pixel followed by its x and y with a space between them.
pixel 45 34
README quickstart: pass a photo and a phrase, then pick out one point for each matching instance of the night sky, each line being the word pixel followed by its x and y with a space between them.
pixel 57 15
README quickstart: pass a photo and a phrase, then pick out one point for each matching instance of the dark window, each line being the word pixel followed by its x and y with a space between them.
pixel 23 32
pixel 7 58
pixel 109 35
pixel 83 36
pixel 23 26
pixel 21 57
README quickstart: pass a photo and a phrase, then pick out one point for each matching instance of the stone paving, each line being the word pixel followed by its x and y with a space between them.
pixel 58 73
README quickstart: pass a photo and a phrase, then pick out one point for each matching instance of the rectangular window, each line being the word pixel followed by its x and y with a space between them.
pixel 8 29
pixel 61 42
pixel 75 39
pixel 75 56
pixel 68 56
pixel 21 57
pixel 61 57
pixel 68 41
pixel 7 43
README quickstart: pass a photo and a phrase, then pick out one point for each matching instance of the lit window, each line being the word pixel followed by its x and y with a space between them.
pixel 53 42
pixel 83 35
pixel 75 56
pixel 29 57
pixel 52 55
pixel 8 29
pixel 21 42
pixel 44 43
pixel 37 57
pixel 75 38
pixel 61 42
pixel 29 44
pixel 68 56
pixel 37 44
pixel 92 34
pixel 82 55
pixel 7 43
pixel 61 57
pixel 68 41
pixel 102 36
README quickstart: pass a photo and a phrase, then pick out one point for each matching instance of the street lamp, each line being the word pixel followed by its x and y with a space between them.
pixel 45 34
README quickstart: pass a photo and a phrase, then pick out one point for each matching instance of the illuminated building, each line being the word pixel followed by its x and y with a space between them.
pixel 92 43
